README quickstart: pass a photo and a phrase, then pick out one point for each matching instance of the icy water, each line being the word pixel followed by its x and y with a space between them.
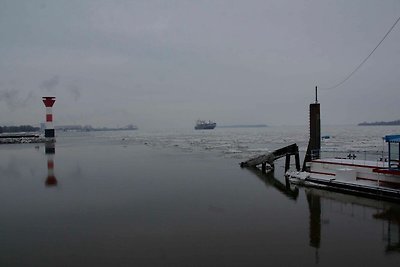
pixel 179 198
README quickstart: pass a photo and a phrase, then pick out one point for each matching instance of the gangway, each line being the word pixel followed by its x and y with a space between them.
pixel 269 158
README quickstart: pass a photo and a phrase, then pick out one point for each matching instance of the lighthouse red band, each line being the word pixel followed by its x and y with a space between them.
pixel 49 102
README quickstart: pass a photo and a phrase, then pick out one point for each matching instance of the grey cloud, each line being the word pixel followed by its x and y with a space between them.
pixel 74 90
pixel 9 96
pixel 13 98
pixel 51 84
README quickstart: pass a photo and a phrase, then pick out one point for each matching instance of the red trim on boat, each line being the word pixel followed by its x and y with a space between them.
pixel 386 171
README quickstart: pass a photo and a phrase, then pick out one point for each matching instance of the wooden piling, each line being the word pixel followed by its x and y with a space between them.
pixel 287 163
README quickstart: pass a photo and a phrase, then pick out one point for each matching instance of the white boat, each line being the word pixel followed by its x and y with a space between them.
pixel 379 178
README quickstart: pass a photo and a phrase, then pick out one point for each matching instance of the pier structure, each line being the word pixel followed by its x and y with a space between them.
pixel 269 158
pixel 49 132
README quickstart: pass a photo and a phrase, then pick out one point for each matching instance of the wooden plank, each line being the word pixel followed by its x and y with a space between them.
pixel 271 157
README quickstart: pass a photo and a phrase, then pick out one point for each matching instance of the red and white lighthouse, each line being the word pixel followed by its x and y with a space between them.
pixel 49 102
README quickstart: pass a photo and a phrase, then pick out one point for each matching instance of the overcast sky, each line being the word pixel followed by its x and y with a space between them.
pixel 167 63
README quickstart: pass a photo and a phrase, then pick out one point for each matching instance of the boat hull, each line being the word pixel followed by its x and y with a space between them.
pixel 366 178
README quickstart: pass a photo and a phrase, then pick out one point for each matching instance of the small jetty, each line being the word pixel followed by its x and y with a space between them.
pixel 377 178
pixel 263 160
pixel 372 178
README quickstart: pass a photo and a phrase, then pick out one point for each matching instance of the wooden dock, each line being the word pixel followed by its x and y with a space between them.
pixel 269 158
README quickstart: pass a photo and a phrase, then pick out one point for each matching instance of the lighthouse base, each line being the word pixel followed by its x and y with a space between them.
pixel 49 133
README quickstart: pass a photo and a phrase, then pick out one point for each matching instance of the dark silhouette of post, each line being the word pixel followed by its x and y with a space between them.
pixel 314 206
pixel 314 143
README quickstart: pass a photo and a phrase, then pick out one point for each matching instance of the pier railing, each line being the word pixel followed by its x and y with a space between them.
pixel 367 155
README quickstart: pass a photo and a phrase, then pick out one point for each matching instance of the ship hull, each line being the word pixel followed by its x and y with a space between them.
pixel 205 127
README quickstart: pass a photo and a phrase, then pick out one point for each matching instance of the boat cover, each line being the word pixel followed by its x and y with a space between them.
pixel 392 138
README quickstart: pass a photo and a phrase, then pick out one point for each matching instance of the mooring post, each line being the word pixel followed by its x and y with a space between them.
pixel 314 143
pixel 297 159
pixel 264 167
pixel 287 162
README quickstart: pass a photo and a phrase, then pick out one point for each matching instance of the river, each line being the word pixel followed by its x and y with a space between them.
pixel 179 198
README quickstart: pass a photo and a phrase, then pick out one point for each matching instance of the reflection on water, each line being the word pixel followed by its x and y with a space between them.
pixel 269 179
pixel 346 205
pixel 50 151
pixel 391 216
pixel 314 206
pixel 114 201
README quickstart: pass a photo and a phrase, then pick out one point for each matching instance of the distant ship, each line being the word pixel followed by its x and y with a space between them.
pixel 205 125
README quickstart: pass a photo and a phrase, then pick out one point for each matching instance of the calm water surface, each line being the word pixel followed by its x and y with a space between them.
pixel 179 198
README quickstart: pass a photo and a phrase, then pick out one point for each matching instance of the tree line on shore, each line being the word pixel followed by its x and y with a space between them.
pixel 16 129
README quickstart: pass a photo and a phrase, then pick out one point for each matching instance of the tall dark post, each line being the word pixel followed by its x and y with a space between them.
pixel 314 143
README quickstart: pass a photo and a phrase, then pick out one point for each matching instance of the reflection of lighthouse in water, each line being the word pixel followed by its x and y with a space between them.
pixel 50 152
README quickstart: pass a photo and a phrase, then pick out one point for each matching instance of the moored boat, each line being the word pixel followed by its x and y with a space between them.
pixel 379 178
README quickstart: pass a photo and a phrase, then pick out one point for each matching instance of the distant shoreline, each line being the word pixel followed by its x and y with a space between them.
pixel 88 128
pixel 244 126
pixel 112 129
pixel 381 123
